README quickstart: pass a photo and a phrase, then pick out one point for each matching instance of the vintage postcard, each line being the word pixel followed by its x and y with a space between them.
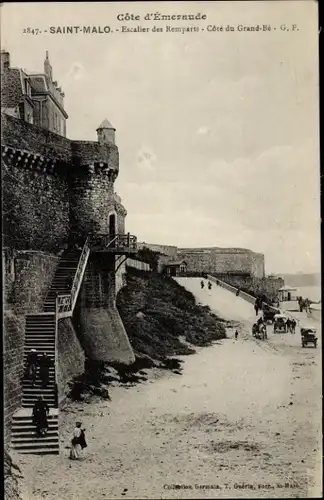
pixel 161 250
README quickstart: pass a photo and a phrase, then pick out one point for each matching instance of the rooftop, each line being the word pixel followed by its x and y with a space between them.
pixel 106 124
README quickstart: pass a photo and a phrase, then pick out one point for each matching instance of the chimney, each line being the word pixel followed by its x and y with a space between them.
pixel 5 60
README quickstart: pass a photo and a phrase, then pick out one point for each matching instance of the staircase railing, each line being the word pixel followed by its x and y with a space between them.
pixel 56 349
pixel 115 242
pixel 66 302
pixel 79 273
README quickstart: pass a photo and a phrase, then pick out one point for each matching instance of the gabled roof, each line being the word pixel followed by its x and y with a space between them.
pixel 176 263
pixel 106 124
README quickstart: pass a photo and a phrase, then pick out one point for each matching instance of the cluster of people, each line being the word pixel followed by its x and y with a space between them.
pixel 202 284
pixel 34 361
pixel 303 304
pixel 291 325
pixel 260 327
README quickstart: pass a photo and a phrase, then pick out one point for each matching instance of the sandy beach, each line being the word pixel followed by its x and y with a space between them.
pixel 242 421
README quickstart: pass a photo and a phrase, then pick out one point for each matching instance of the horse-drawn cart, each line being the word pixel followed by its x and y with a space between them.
pixel 269 313
pixel 280 323
pixel 308 336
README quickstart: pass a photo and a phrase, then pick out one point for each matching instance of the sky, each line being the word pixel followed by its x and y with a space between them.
pixel 218 132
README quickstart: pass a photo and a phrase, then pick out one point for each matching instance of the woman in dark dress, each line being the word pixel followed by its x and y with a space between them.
pixel 40 414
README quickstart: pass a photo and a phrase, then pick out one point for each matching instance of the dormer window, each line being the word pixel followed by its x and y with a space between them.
pixel 27 88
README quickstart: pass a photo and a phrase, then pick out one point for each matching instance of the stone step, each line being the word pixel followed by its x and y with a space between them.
pixel 34 393
pixel 38 384
pixel 37 444
pixel 26 434
pixel 40 315
pixel 40 345
pixel 63 278
pixel 48 451
pixel 41 332
pixel 39 325
pixel 24 426
pixel 51 368
pixel 71 262
pixel 30 401
pixel 28 383
pixel 25 437
pixel 47 336
pixel 47 319
pixel 47 327
pixel 26 417
pixel 49 387
pixel 30 404
pixel 40 329
pixel 27 422
pixel 40 390
pixel 40 340
pixel 50 353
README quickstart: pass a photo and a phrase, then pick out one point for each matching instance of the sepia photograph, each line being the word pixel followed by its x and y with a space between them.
pixel 161 250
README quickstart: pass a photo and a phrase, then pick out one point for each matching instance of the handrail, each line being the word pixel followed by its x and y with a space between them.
pixel 117 241
pixel 56 345
pixel 63 303
pixel 79 272
pixel 66 302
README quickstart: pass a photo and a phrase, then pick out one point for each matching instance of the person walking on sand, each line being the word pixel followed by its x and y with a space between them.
pixel 202 284
pixel 78 442
pixel 236 334
pixel 293 326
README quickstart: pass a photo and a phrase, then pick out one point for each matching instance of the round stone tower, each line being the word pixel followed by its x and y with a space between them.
pixel 96 211
pixel 94 207
pixel 106 132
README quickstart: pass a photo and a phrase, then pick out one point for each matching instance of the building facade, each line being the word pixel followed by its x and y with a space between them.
pixel 34 97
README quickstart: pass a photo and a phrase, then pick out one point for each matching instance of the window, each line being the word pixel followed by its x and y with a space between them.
pixel 27 88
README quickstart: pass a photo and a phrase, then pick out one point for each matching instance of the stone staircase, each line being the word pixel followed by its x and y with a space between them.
pixel 24 440
pixel 63 279
pixel 40 334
